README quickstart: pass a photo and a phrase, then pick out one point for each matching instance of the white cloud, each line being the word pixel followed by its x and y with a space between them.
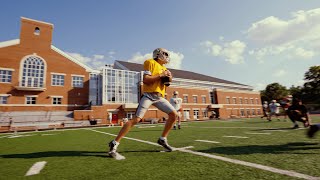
pixel 260 86
pixel 232 51
pixel 96 61
pixel 175 59
pixel 294 38
pixel 279 73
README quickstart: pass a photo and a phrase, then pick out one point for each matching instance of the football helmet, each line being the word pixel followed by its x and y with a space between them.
pixel 161 53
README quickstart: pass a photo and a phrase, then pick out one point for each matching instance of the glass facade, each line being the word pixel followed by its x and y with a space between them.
pixel 120 86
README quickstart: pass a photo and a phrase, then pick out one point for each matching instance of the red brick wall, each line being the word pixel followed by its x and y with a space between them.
pixel 40 45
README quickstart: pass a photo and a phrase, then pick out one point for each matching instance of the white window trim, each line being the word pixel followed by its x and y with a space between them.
pixel 6 69
pixel 44 70
pixel 77 75
pixel 26 97
pixel 30 95
pixel 64 75
pixel 54 96
pixel 6 95
pixel 58 73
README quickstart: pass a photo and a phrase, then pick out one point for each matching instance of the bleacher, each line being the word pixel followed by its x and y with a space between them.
pixel 37 120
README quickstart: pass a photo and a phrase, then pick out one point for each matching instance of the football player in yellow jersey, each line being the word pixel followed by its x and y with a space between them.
pixel 155 78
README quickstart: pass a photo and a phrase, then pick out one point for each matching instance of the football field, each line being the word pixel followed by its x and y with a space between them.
pixel 216 149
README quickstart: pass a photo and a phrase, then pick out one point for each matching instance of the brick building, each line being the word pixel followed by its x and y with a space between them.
pixel 41 82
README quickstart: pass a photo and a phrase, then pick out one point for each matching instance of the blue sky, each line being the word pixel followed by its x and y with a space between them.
pixel 250 42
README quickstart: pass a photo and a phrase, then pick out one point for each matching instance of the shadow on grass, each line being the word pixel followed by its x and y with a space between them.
pixel 274 129
pixel 288 148
pixel 103 154
pixel 56 154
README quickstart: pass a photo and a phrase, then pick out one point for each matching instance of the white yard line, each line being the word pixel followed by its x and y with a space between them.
pixel 249 164
pixel 230 127
pixel 36 168
pixel 146 126
pixel 258 133
pixel 215 142
pixel 18 136
pixel 239 137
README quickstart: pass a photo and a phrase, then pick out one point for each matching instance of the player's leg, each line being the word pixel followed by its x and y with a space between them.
pixel 166 107
pixel 144 104
pixel 293 117
pixel 179 120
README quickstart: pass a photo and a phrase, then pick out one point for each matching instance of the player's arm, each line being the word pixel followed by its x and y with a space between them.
pixel 149 79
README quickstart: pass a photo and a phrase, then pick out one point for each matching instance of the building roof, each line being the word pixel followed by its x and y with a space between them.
pixel 177 73
pixel 67 56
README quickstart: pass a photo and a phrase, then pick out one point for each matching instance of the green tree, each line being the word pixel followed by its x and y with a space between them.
pixel 273 91
pixel 311 89
pixel 296 91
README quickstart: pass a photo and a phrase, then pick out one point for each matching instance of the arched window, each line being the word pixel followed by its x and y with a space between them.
pixel 33 72
pixel 36 31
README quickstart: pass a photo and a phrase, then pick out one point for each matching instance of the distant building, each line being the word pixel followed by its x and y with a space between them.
pixel 38 78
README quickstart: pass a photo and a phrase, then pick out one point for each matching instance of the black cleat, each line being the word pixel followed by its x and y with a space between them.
pixel 312 130
pixel 113 146
pixel 295 126
pixel 165 144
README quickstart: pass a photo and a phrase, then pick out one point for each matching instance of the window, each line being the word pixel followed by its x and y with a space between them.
pixel 253 112
pixel 240 100
pixel 56 100
pixel 204 113
pixel 130 114
pixel 258 112
pixel 212 96
pixel 5 75
pixel 242 112
pixel 195 99
pixel 77 81
pixel 3 99
pixel 121 86
pixel 31 100
pixel 227 100
pixel 57 80
pixel 234 100
pixel 246 101
pixel 257 101
pixel 251 101
pixel 36 31
pixel 185 99
pixel 248 112
pixel 33 72
pixel 204 100
pixel 196 114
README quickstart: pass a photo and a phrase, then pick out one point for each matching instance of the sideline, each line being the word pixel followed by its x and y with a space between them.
pixel 249 164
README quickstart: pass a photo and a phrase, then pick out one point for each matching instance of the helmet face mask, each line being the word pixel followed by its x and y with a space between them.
pixel 162 54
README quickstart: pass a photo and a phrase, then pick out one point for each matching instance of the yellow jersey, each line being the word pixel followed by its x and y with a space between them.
pixel 152 67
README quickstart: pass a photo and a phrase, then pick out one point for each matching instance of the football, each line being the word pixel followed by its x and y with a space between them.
pixel 166 80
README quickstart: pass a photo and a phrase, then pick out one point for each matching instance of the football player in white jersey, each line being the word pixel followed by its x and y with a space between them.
pixel 176 102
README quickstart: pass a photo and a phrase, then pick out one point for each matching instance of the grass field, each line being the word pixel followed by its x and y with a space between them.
pixel 238 149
